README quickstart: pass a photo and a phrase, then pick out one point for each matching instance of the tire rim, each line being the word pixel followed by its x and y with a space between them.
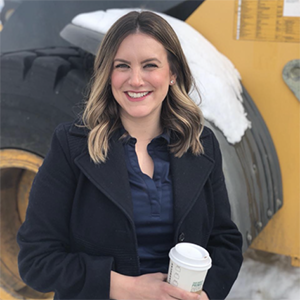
pixel 17 171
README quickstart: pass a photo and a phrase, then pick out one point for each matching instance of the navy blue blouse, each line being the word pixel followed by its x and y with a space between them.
pixel 152 204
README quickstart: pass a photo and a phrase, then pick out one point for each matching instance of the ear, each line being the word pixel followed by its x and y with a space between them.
pixel 173 79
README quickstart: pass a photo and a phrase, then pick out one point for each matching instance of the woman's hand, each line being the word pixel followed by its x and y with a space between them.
pixel 203 296
pixel 149 286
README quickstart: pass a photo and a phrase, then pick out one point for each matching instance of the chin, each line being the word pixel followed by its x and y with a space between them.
pixel 139 114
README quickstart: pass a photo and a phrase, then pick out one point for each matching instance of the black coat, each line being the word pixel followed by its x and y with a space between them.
pixel 79 224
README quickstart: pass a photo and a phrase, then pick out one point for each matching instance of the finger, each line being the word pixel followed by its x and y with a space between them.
pixel 161 276
pixel 203 296
pixel 178 293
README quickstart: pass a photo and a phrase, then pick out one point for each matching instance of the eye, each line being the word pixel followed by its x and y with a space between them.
pixel 121 66
pixel 150 66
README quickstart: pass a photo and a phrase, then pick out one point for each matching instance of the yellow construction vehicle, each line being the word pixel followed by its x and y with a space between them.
pixel 262 38
pixel 44 81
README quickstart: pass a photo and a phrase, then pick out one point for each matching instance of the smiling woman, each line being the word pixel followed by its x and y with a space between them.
pixel 139 81
pixel 180 115
pixel 138 173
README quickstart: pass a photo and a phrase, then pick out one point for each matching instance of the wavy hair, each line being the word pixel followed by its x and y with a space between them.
pixel 179 115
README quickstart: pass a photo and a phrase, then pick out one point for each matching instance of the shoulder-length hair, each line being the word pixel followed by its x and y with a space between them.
pixel 179 115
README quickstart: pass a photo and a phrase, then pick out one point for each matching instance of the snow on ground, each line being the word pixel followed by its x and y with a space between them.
pixel 215 75
pixel 266 276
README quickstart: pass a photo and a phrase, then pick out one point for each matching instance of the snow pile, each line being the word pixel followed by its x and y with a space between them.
pixel 215 75
pixel 266 276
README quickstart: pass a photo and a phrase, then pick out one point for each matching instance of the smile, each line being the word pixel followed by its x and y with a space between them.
pixel 137 95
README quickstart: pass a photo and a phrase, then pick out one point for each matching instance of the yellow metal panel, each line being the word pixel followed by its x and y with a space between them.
pixel 260 63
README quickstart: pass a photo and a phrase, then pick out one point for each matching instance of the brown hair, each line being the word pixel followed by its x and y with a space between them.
pixel 180 115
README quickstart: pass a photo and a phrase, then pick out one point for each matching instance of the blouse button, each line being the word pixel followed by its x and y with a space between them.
pixel 181 237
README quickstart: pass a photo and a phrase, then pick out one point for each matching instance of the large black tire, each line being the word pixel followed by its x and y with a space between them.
pixel 39 90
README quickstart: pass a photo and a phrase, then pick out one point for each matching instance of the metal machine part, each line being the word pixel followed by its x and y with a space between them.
pixel 252 175
pixel 291 76
pixel 83 38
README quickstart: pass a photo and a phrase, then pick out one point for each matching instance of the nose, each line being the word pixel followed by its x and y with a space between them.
pixel 136 78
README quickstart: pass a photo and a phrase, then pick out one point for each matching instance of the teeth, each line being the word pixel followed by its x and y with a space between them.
pixel 137 95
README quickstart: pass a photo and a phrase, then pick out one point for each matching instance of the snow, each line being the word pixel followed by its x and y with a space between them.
pixel 266 276
pixel 215 75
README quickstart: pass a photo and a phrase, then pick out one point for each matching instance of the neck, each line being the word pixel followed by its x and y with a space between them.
pixel 142 130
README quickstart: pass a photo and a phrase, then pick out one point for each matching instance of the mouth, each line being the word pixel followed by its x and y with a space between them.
pixel 137 96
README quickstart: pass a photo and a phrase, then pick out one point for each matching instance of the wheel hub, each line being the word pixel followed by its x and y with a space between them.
pixel 17 171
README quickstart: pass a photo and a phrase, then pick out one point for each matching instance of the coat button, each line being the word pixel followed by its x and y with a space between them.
pixel 181 237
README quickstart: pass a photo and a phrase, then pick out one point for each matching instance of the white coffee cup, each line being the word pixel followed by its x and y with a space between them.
pixel 188 267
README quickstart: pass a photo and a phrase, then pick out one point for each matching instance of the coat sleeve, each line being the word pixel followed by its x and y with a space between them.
pixel 45 262
pixel 225 242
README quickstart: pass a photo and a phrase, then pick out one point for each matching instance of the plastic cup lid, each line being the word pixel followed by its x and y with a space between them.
pixel 190 256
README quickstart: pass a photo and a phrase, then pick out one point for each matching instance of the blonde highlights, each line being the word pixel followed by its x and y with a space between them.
pixel 179 115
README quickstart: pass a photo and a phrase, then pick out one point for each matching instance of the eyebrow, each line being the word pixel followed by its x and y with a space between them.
pixel 144 61
pixel 151 59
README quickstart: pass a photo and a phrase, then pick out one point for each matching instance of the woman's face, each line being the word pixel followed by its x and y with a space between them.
pixel 141 77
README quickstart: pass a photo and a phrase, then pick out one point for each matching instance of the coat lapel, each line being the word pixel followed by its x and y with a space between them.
pixel 189 174
pixel 110 177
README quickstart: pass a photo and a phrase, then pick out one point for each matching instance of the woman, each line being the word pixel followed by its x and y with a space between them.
pixel 136 175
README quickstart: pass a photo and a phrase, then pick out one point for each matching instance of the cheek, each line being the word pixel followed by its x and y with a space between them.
pixel 116 80
pixel 161 80
pixel 116 84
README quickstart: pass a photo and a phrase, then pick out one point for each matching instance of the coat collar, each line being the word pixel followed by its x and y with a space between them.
pixel 111 177
pixel 78 129
pixel 189 174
